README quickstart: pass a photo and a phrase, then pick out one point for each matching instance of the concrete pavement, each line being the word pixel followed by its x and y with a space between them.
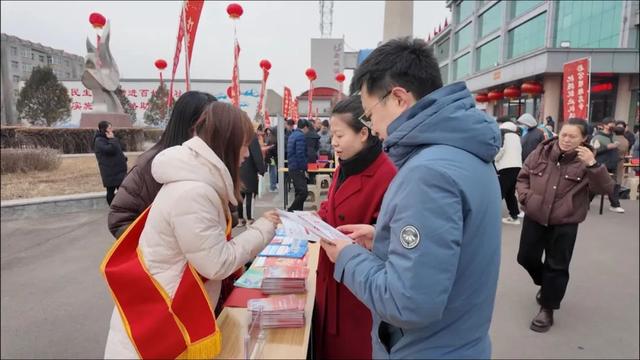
pixel 55 303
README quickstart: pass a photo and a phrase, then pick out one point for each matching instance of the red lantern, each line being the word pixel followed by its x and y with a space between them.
pixel 160 64
pixel 265 64
pixel 311 74
pixel 531 88
pixel 230 92
pixel 97 20
pixel 512 92
pixel 482 98
pixel 495 95
pixel 234 10
pixel 340 77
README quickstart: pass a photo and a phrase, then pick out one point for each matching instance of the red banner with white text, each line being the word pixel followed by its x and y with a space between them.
pixel 576 80
pixel 189 19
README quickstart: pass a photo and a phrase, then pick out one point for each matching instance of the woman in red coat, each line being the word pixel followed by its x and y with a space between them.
pixel 342 324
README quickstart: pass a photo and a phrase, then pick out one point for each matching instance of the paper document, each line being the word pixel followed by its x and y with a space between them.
pixel 320 228
pixel 295 227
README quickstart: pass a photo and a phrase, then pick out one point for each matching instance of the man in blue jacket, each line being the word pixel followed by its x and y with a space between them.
pixel 428 271
pixel 297 164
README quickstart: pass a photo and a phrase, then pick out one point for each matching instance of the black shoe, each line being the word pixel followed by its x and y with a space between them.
pixel 543 321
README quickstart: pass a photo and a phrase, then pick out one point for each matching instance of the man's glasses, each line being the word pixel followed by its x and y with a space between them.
pixel 366 119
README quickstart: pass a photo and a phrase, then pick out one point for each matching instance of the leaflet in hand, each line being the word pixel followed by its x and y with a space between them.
pixel 294 227
pixel 320 228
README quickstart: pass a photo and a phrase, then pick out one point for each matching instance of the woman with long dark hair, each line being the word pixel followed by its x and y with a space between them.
pixel 553 188
pixel 139 188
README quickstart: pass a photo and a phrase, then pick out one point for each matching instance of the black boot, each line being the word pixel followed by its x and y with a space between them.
pixel 543 321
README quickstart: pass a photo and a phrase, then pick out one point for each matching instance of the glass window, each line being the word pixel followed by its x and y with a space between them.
pixel 442 50
pixel 26 53
pixel 14 51
pixel 66 63
pixel 16 78
pixel 491 19
pixel 463 38
pixel 461 66
pixel 68 75
pixel 528 36
pixel 444 74
pixel 488 54
pixel 465 8
pixel 589 24
pixel 41 57
pixel 15 65
pixel 521 6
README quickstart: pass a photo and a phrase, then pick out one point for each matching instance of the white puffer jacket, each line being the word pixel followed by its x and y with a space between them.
pixel 187 222
pixel 510 154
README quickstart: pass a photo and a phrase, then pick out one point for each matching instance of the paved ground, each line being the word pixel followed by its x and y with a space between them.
pixel 55 303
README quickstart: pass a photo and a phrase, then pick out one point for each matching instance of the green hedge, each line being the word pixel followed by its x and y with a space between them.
pixel 72 141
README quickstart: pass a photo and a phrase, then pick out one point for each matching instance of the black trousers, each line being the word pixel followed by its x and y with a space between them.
pixel 247 200
pixel 111 193
pixel 300 187
pixel 614 197
pixel 508 179
pixel 556 242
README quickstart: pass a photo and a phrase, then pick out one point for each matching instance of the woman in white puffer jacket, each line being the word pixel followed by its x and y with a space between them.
pixel 188 219
pixel 508 163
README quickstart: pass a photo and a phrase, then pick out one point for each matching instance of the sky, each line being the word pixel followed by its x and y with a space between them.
pixel 143 31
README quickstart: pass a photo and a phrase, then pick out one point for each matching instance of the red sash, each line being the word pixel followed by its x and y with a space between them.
pixel 160 327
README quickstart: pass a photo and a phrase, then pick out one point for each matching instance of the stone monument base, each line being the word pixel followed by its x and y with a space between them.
pixel 117 120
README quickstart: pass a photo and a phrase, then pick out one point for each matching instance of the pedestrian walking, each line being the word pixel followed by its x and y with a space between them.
pixel 250 169
pixel 553 188
pixel 271 159
pixel 297 164
pixel 606 149
pixel 111 160
pixel 508 163
pixel 428 271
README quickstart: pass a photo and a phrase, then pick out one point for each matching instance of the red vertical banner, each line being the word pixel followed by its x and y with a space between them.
pixel 286 103
pixel 576 88
pixel 294 111
pixel 310 99
pixel 188 24
pixel 235 77
pixel 267 120
pixel 265 76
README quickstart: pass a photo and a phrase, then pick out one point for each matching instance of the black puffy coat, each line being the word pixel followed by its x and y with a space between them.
pixel 111 160
pixel 251 167
pixel 313 145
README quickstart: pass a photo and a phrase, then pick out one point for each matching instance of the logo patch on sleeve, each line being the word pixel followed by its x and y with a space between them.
pixel 409 237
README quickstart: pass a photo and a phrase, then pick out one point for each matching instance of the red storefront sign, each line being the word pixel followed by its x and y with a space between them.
pixel 576 80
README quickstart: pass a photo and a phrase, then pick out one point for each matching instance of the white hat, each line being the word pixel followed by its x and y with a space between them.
pixel 527 120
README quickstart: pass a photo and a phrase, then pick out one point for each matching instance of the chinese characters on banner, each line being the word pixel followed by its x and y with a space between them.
pixel 576 81
pixel 286 103
pixel 294 111
pixel 192 10
pixel 337 58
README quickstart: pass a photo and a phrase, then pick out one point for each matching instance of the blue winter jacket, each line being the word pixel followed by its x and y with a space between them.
pixel 430 279
pixel 297 151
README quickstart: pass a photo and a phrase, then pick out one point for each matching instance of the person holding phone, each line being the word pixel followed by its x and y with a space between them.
pixel 111 159
pixel 553 188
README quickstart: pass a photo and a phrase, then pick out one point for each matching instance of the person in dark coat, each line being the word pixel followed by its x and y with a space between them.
pixel 139 188
pixel 531 135
pixel 553 188
pixel 313 144
pixel 111 159
pixel 341 323
pixel 271 158
pixel 297 164
pixel 249 171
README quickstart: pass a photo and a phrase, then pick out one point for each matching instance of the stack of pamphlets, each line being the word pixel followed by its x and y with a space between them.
pixel 284 279
pixel 279 311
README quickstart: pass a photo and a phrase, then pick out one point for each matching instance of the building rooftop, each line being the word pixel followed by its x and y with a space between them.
pixel 7 37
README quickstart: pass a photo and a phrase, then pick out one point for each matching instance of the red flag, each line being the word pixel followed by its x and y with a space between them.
pixel 294 111
pixel 576 88
pixel 189 19
pixel 265 75
pixel 286 103
pixel 235 77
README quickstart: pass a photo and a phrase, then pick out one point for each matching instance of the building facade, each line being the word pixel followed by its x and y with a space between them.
pixel 20 57
pixel 495 44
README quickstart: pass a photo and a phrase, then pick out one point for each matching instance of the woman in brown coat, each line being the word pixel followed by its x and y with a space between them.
pixel 553 188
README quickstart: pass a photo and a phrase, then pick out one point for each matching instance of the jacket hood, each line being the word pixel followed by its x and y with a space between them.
pixel 509 126
pixel 527 120
pixel 194 161
pixel 447 116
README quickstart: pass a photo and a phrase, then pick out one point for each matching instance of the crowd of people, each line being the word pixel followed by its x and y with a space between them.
pixel 418 189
